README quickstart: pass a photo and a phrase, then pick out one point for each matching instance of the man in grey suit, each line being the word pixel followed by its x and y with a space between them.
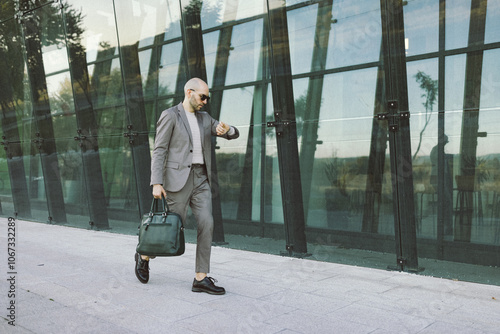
pixel 181 169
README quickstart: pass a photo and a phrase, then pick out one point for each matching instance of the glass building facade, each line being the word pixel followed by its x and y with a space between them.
pixel 369 130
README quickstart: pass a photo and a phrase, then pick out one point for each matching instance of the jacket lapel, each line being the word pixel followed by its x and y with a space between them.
pixel 185 121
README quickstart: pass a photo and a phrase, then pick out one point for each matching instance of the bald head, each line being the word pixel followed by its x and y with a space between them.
pixel 195 95
pixel 196 84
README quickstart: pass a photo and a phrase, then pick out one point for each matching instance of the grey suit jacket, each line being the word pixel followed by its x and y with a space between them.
pixel 173 149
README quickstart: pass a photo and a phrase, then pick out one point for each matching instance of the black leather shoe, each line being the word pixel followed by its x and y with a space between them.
pixel 207 285
pixel 141 269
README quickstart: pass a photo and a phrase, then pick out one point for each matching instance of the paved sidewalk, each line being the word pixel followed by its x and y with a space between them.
pixel 72 280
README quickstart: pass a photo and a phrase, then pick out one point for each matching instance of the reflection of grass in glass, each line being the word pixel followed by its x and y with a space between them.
pixel 336 173
pixel 480 168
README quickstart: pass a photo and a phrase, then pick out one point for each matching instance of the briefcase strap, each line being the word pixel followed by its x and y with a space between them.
pixel 154 205
pixel 154 209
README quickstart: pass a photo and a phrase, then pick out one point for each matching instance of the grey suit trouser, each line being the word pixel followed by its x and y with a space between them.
pixel 197 194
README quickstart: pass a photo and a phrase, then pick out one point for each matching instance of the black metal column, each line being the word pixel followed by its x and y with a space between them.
pixel 87 133
pixel 286 130
pixel 11 91
pixel 399 134
pixel 441 130
pixel 44 137
pixel 137 130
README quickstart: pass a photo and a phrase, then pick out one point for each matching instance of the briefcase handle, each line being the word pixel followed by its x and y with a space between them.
pixel 154 205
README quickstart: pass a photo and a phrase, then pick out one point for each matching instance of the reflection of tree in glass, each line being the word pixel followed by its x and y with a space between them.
pixel 210 14
pixel 430 88
pixel 47 19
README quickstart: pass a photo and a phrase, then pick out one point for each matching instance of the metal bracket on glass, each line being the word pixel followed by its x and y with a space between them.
pixel 5 143
pixel 278 124
pixel 39 141
pixel 80 137
pixel 130 135
pixel 392 116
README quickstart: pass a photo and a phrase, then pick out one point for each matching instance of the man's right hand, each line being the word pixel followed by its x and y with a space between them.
pixel 158 191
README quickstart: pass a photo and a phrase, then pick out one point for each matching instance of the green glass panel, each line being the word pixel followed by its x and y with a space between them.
pixel 36 187
pixel 341 165
pixel 118 177
pixel 169 68
pixel 73 182
pixel 5 188
pixel 231 153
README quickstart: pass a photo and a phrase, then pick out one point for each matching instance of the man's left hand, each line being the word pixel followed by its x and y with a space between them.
pixel 222 128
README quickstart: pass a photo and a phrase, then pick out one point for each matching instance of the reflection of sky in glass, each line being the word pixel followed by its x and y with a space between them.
pixel 294 2
pixel 55 58
pixel 301 29
pixel 216 12
pixel 489 115
pixel 169 66
pixel 457 23
pixel 490 81
pixel 355 37
pixel 212 12
pixel 349 94
pixel 210 41
pixel 492 22
pixel 269 104
pixel 142 21
pixel 144 61
pixel 454 82
pixel 148 31
pixel 249 8
pixel 172 16
pixel 244 58
pixel 98 24
pixel 236 109
pixel 421 26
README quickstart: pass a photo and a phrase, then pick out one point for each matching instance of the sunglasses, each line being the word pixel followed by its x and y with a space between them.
pixel 203 97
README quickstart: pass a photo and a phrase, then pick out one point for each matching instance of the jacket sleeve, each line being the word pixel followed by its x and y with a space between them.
pixel 164 128
pixel 235 135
